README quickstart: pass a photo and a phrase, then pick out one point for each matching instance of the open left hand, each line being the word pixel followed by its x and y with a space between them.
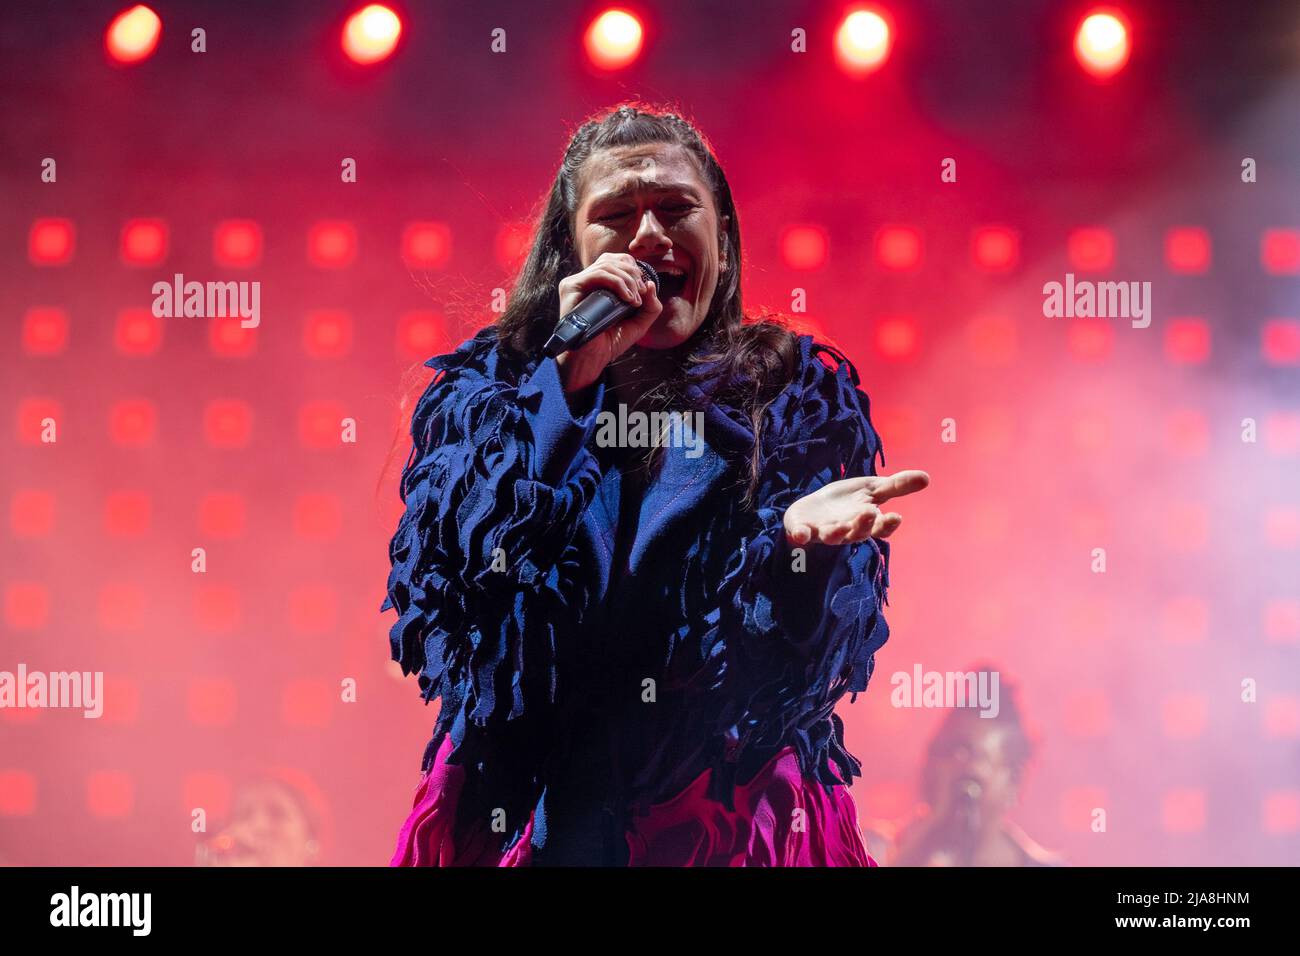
pixel 848 510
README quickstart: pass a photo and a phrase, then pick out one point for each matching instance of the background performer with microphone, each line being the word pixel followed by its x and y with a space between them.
pixel 637 653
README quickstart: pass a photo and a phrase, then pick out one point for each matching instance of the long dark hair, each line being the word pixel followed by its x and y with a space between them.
pixel 757 359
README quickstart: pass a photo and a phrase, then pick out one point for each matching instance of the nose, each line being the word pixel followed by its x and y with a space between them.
pixel 650 239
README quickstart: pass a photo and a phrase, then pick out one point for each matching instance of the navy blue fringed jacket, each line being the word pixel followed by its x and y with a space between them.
pixel 589 663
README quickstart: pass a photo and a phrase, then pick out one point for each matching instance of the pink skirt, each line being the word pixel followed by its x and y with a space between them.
pixel 689 830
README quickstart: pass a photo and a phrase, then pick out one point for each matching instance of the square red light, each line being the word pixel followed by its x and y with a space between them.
pixel 222 515
pixel 327 334
pixel 228 338
pixel 27 605
pixel 1187 250
pixel 804 247
pixel 127 514
pixel 110 794
pixel 1281 812
pixel 511 244
pixel 144 242
pixel 421 334
pixel 45 331
pixel 1282 621
pixel 1282 528
pixel 17 793
pixel 227 423
pixel 897 338
pixel 1187 341
pixel 898 247
pixel 320 425
pixel 38 419
pixel 332 245
pixel 1281 341
pixel 1090 340
pixel 1282 717
pixel 51 242
pixel 237 243
pixel 426 245
pixel 217 608
pixel 996 248
pixel 133 422
pixel 1279 251
pixel 1091 249
pixel 139 332
pixel 31 513
pixel 317 517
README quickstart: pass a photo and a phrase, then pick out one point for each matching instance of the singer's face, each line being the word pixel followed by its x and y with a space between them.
pixel 651 202
pixel 978 752
pixel 267 828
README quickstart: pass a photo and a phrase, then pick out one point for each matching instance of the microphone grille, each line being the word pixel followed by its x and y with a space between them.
pixel 648 271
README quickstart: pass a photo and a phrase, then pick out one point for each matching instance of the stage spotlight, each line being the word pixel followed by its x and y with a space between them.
pixel 898 247
pixel 1102 43
pixel 614 39
pixel 371 34
pixel 133 34
pixel 804 247
pixel 863 41
pixel 897 338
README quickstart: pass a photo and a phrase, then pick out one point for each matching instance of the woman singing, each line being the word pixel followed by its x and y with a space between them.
pixel 638 643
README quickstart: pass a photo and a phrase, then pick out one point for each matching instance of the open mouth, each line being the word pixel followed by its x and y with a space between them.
pixel 671 283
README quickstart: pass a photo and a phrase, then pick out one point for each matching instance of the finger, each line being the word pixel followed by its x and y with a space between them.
pixel 627 333
pixel 900 483
pixel 886 525
pixel 624 261
pixel 602 275
pixel 863 522
pixel 858 483
pixel 837 533
pixel 826 534
pixel 625 264
pixel 649 311
pixel 638 277
pixel 630 286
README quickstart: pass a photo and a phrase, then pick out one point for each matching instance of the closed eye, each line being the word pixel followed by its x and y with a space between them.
pixel 676 209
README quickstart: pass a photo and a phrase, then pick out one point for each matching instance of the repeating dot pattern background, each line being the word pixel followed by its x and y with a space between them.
pixel 1072 434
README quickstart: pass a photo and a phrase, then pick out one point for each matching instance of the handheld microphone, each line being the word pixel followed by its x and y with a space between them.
pixel 597 311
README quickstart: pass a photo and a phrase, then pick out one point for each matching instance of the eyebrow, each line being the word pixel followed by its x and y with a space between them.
pixel 643 185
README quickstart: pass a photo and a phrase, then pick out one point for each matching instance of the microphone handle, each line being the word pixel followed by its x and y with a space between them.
pixel 594 314
pixel 597 311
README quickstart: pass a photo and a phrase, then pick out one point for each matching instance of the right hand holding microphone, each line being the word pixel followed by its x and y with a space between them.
pixel 617 272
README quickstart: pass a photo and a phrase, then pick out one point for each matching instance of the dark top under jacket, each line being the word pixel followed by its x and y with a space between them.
pixel 597 646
